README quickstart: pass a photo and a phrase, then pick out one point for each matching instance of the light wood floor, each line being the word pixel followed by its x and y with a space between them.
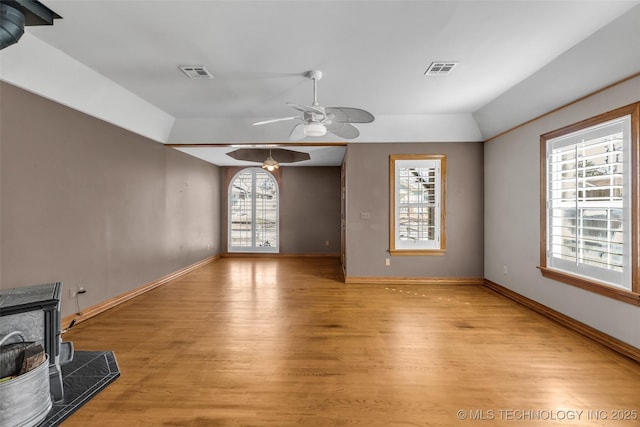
pixel 282 342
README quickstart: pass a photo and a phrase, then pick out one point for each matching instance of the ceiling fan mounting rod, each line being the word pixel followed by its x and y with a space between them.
pixel 315 75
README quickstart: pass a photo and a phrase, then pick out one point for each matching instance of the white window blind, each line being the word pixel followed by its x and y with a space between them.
pixel 417 204
pixel 588 202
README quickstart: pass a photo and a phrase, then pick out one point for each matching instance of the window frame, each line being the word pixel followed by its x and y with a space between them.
pixel 440 247
pixel 253 248
pixel 631 296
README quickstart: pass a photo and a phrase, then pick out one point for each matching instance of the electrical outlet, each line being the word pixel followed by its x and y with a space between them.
pixel 387 262
pixel 72 293
pixel 505 270
pixel 326 243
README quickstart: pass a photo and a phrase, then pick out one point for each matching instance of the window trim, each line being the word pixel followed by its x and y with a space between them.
pixel 632 296
pixel 438 251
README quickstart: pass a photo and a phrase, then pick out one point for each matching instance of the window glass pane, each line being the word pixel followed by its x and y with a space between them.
pixel 588 202
pixel 266 210
pixel 240 211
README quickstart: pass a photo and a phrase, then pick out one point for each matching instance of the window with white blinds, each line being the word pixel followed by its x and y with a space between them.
pixel 418 199
pixel 588 202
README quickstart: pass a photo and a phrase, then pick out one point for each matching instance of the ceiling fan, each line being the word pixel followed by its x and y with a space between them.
pixel 317 121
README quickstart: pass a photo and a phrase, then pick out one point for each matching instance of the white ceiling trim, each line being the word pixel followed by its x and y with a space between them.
pixel 75 85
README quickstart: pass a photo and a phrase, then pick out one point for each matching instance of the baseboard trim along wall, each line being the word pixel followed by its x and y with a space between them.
pixel 277 255
pixel 94 310
pixel 415 280
pixel 589 332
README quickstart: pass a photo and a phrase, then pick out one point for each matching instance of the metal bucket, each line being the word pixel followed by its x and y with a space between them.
pixel 26 399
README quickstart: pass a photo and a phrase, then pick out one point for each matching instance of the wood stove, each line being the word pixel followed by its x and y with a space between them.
pixel 35 311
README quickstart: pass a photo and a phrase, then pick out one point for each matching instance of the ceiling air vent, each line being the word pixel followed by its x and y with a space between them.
pixel 196 72
pixel 440 68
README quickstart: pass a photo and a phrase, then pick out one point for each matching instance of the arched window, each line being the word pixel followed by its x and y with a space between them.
pixel 253 212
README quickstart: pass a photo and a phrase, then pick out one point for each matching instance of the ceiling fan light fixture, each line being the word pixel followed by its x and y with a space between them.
pixel 270 164
pixel 314 129
pixel 312 121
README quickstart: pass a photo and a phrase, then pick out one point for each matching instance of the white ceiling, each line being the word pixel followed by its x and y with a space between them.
pixel 105 57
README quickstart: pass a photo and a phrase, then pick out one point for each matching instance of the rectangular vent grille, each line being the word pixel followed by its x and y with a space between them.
pixel 196 72
pixel 440 68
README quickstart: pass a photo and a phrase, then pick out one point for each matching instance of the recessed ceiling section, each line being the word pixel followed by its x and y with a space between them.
pixel 281 155
pixel 307 155
pixel 259 66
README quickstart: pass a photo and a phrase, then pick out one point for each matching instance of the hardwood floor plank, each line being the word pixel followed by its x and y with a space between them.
pixel 282 342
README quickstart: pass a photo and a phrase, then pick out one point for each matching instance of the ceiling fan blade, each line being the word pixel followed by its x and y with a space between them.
pixel 350 115
pixel 343 130
pixel 276 120
pixel 297 133
pixel 306 108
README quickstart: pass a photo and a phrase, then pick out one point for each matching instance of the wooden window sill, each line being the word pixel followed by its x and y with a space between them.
pixel 590 285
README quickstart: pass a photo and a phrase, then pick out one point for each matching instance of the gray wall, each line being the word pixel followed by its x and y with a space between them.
pixel 87 203
pixel 512 219
pixel 367 241
pixel 310 210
